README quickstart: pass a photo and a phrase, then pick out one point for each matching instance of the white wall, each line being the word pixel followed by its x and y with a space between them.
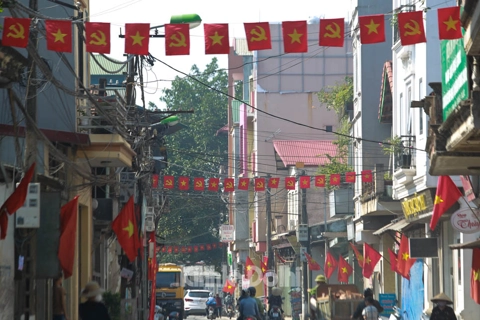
pixel 7 264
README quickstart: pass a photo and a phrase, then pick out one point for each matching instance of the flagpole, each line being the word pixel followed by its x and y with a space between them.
pixel 325 228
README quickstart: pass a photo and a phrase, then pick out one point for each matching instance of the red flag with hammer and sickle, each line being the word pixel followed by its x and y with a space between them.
pixel 258 36
pixel 16 32
pixel 332 32
pixel 410 28
pixel 177 39
pixel 290 183
pixel 137 37
pixel 97 37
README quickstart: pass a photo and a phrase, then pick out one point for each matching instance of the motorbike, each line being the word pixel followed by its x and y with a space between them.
pixel 211 313
pixel 174 315
pixel 396 315
pixel 229 311
pixel 275 313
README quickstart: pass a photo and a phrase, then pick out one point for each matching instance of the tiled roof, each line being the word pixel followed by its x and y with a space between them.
pixel 107 64
pixel 240 47
pixel 386 94
pixel 310 152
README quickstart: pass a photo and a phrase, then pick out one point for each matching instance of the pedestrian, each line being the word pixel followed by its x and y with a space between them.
pixel 358 312
pixel 218 300
pixel 369 312
pixel 93 308
pixel 59 307
pixel 441 311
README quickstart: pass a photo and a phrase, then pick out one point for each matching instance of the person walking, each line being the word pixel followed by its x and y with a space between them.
pixel 369 312
pixel 358 312
pixel 441 311
pixel 218 309
pixel 59 308
pixel 93 308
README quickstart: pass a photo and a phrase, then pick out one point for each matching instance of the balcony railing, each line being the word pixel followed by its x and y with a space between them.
pixel 405 158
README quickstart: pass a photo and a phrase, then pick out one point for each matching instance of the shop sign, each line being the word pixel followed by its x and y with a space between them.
pixel 227 233
pixel 415 205
pixel 466 220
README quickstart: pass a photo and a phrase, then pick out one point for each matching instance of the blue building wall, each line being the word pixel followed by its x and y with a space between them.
pixel 412 293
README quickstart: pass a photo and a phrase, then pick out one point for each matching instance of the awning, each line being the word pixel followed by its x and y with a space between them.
pixel 395 226
pixel 467 245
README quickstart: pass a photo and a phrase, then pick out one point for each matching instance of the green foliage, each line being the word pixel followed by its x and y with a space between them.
pixel 195 152
pixel 239 89
pixel 392 145
pixel 335 98
pixel 387 176
pixel 112 302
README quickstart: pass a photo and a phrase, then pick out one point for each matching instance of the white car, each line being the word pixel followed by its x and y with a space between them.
pixel 194 302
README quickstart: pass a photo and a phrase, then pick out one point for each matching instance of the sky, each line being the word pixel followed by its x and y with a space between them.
pixel 235 13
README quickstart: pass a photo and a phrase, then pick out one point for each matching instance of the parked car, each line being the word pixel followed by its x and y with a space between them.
pixel 194 302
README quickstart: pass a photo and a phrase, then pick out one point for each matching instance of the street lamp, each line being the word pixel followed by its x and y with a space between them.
pixel 192 19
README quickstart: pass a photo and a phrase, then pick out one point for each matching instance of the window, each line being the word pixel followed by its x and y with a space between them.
pixel 167 280
pixel 400 121
pixel 420 110
pixel 408 112
pixel 329 128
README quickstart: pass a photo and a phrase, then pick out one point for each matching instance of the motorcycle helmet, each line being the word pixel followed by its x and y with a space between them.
pixel 252 291
pixel 210 294
pixel 368 292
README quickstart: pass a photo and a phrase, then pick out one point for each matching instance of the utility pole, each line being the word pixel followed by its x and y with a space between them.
pixel 325 228
pixel 268 204
pixel 306 245
pixel 25 285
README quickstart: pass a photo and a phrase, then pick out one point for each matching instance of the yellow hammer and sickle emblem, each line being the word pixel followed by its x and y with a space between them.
pixel 176 41
pixel 260 185
pixel 169 182
pixel 16 33
pixel 290 183
pixel 259 36
pixel 199 184
pixel 320 180
pixel 99 41
pixel 415 29
pixel 229 185
pixel 334 32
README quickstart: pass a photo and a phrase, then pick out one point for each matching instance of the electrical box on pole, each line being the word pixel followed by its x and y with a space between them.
pixel 302 232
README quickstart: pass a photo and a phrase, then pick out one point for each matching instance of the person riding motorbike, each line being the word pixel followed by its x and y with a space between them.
pixel 211 302
pixel 358 312
pixel 249 308
pixel 275 299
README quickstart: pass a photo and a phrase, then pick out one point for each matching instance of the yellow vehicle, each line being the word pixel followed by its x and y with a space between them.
pixel 169 288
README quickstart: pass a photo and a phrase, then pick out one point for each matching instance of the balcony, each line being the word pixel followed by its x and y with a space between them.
pixel 405 160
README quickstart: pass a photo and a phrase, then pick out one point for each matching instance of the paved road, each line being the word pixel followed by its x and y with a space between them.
pixel 205 318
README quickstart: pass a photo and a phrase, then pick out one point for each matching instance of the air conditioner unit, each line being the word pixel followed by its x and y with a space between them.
pixel 150 219
pixel 28 216
pixel 127 177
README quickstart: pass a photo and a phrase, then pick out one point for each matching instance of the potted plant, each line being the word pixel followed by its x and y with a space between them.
pixel 393 145
pixel 387 180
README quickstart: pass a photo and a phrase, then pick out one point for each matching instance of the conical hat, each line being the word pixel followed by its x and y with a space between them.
pixel 442 297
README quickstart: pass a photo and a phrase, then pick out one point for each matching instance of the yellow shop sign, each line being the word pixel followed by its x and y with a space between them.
pixel 413 206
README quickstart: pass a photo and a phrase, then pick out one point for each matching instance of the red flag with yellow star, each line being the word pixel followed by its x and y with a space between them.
pixel 350 177
pixel 372 28
pixel 335 179
pixel 312 264
pixel 177 39
pixel 183 183
pixel 264 265
pixel 59 35
pixel 249 268
pixel 229 185
pixel 97 37
pixel 320 181
pixel 332 32
pixel 475 276
pixel 304 182
pixel 68 236
pixel 449 23
pixel 16 32
pixel 168 182
pixel 216 38
pixel 125 227
pixel 243 183
pixel 258 36
pixel 295 36
pixel 137 37
pixel 198 184
pixel 358 255
pixel 370 260
pixel 404 262
pixel 259 184
pixel 393 260
pixel 367 176
pixel 344 270
pixel 155 181
pixel 447 194
pixel 229 286
pixel 410 28
pixel 290 183
pixel 213 184
pixel 273 183
pixel 330 265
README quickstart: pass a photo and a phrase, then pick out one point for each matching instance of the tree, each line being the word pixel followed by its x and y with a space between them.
pixel 194 217
pixel 336 98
